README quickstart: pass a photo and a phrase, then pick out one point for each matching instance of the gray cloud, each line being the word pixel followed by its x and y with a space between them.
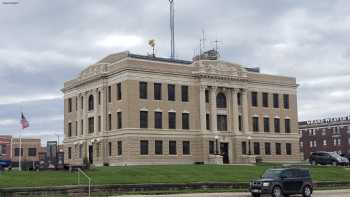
pixel 44 43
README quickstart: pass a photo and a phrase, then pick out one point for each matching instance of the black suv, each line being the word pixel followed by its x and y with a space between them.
pixel 283 181
pixel 325 158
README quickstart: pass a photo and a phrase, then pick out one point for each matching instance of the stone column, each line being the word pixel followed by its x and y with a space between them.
pixel 245 115
pixel 235 110
pixel 202 109
pixel 213 121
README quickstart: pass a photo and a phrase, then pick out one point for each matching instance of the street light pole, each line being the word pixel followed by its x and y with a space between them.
pixel 249 150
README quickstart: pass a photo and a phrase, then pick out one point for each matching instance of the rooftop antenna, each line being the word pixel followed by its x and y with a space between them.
pixel 203 39
pixel 172 27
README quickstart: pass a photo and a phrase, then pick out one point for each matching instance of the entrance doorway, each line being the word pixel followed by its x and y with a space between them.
pixel 91 153
pixel 224 152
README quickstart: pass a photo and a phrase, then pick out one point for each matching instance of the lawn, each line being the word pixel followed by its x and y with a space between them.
pixel 159 174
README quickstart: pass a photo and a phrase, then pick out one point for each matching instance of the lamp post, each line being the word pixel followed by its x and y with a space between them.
pixel 216 145
pixel 249 150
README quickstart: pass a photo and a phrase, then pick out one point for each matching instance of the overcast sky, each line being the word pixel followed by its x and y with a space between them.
pixel 43 43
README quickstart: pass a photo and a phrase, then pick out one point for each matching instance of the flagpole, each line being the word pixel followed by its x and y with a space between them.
pixel 20 151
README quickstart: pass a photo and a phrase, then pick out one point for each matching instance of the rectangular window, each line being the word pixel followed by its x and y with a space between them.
pixel 256 148
pixel 277 125
pixel 184 93
pixel 99 123
pixel 120 147
pixel 70 105
pixel 244 148
pixel 82 102
pixel 239 96
pixel 207 96
pixel 211 147
pixel 287 125
pixel 143 119
pixel 267 148
pixel 119 91
pixel 157 91
pixel 172 147
pixel 286 101
pixel 171 92
pixel 98 149
pixel 222 122
pixel 240 123
pixel 69 152
pixel 109 122
pixel 69 129
pixel 143 90
pixel 109 94
pixel 91 124
pixel 185 121
pixel 254 99
pixel 186 148
pixel 99 98
pixel 207 121
pixel 158 149
pixel 76 128
pixel 144 147
pixel 80 151
pixel 158 120
pixel 256 124
pixel 110 148
pixel 17 152
pixel 276 101
pixel 81 127
pixel 266 124
pixel 172 120
pixel 119 120
pixel 288 148
pixel 265 99
pixel 31 152
pixel 278 148
pixel 76 103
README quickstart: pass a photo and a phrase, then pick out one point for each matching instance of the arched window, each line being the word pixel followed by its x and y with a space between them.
pixel 91 102
pixel 221 100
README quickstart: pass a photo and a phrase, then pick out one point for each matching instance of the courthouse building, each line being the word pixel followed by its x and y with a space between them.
pixel 134 109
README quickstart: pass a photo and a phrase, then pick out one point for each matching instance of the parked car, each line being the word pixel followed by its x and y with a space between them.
pixel 325 158
pixel 346 155
pixel 284 181
pixel 5 163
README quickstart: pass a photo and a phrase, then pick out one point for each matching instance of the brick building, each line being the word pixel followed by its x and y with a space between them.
pixel 332 135
pixel 5 147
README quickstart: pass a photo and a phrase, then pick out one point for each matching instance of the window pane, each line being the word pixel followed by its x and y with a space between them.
pixel 184 93
pixel 91 124
pixel 256 148
pixel 211 147
pixel 158 120
pixel 158 147
pixel 185 121
pixel 266 124
pixel 244 148
pixel 143 90
pixel 171 92
pixel 267 148
pixel 286 101
pixel 265 99
pixel 120 148
pixel 207 119
pixel 256 124
pixel 289 149
pixel 275 101
pixel 144 147
pixel 277 125
pixel 119 91
pixel 172 120
pixel 221 122
pixel 254 99
pixel 143 119
pixel 120 120
pixel 172 147
pixel 287 125
pixel 186 148
pixel 157 91
pixel 278 148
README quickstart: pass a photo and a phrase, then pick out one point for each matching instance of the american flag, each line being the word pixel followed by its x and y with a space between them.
pixel 24 122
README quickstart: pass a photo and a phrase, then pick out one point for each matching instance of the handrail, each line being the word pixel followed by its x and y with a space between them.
pixel 86 176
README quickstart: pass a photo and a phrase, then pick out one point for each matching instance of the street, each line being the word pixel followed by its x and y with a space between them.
pixel 326 193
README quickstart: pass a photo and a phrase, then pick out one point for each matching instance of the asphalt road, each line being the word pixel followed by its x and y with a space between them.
pixel 326 193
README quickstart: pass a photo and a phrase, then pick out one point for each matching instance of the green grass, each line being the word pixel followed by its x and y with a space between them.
pixel 159 174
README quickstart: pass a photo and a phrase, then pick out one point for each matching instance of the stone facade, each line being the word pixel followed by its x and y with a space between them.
pixel 214 106
pixel 331 135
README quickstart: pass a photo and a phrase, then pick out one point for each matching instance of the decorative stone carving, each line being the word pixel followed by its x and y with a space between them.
pixel 220 69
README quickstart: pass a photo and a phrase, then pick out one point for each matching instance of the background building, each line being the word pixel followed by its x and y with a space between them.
pixel 5 147
pixel 29 151
pixel 332 135
pixel 133 109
